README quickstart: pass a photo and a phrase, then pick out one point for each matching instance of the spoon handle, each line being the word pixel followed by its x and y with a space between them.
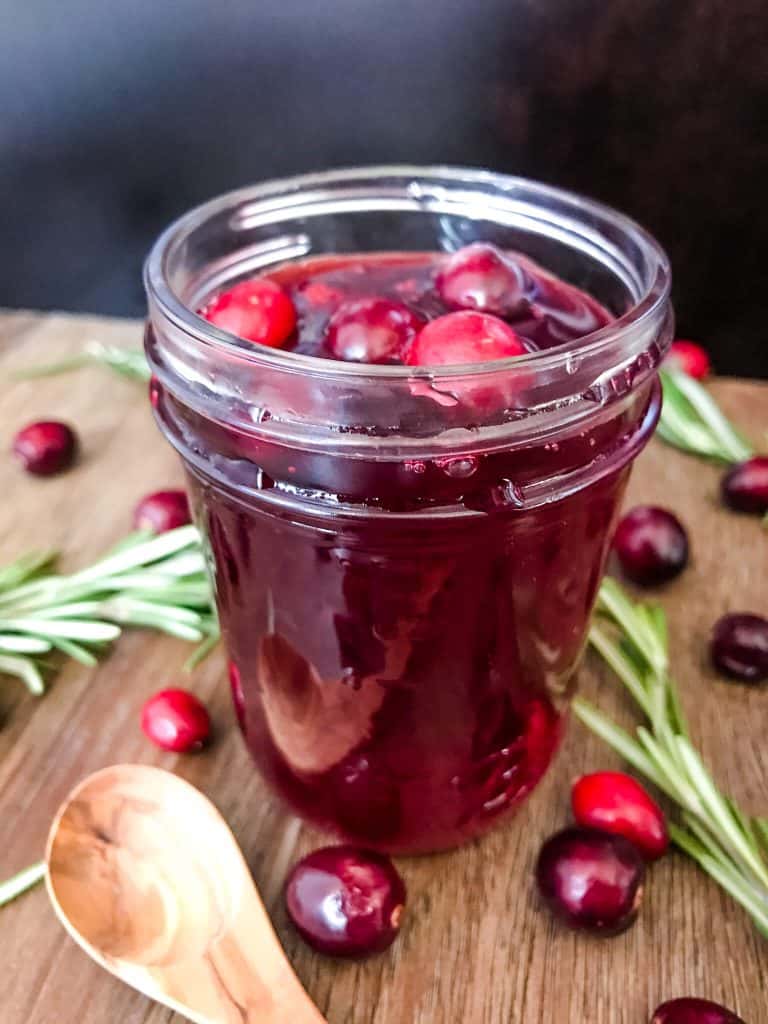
pixel 244 978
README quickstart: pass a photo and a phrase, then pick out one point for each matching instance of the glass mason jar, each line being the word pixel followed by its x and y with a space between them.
pixel 405 559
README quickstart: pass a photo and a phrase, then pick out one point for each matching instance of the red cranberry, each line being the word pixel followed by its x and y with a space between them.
pixel 591 879
pixel 162 511
pixel 617 803
pixel 257 310
pixel 176 720
pixel 745 487
pixel 740 647
pixel 694 1011
pixel 346 901
pixel 46 447
pixel 372 331
pixel 466 337
pixel 317 293
pixel 481 277
pixel 651 545
pixel 690 358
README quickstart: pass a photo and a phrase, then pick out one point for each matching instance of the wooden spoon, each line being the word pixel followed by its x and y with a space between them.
pixel 146 876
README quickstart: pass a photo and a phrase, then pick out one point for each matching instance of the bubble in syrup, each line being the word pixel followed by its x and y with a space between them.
pixel 459 468
pixel 415 466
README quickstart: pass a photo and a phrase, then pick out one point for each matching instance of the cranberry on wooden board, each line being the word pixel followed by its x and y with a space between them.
pixel 372 330
pixel 176 720
pixel 745 486
pixel 739 646
pixel 693 1011
pixel 258 310
pixel 46 447
pixel 617 803
pixel 463 338
pixel 690 358
pixel 480 277
pixel 590 879
pixel 651 545
pixel 346 901
pixel 162 511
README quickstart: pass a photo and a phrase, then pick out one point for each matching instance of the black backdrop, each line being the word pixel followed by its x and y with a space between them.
pixel 115 117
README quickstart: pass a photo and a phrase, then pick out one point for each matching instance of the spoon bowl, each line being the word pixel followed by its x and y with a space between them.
pixel 148 879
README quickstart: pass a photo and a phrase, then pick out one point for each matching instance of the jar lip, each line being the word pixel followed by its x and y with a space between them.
pixel 646 310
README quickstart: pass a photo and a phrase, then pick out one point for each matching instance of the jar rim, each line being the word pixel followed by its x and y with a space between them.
pixel 647 309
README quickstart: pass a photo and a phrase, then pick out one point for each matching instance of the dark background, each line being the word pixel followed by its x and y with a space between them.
pixel 117 116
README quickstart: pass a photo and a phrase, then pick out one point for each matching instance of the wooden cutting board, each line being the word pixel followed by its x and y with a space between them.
pixel 476 947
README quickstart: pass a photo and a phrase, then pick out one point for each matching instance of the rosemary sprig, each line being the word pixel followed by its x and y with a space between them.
pixel 128 362
pixel 144 581
pixel 692 421
pixel 730 846
pixel 158 582
pixel 24 880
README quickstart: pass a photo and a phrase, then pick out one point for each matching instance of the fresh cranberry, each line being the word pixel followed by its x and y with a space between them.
pixel 346 901
pixel 617 803
pixel 690 358
pixel 481 277
pixel 651 545
pixel 462 338
pixel 372 331
pixel 745 486
pixel 693 1011
pixel 591 879
pixel 316 293
pixel 740 647
pixel 257 310
pixel 176 720
pixel 162 511
pixel 46 447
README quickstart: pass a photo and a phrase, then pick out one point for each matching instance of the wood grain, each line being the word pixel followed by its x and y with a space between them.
pixel 476 947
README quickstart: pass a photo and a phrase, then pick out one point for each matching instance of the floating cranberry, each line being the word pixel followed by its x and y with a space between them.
pixel 739 647
pixel 372 330
pixel 176 720
pixel 346 901
pixel 463 338
pixel 480 277
pixel 745 486
pixel 591 879
pixel 651 545
pixel 162 511
pixel 257 310
pixel 690 358
pixel 46 447
pixel 617 803
pixel 317 293
pixel 694 1011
